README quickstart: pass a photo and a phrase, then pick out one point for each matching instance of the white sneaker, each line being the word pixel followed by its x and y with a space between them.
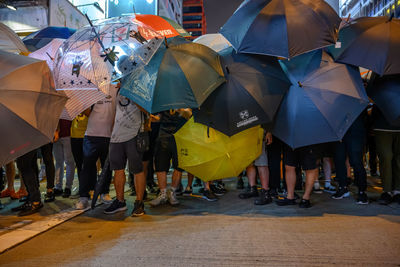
pixel 82 204
pixel 172 198
pixel 106 199
pixel 161 199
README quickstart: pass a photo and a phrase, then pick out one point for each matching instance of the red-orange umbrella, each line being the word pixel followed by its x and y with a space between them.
pixel 164 26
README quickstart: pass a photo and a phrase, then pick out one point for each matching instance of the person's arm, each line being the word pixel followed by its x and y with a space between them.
pixel 268 138
pixel 185 112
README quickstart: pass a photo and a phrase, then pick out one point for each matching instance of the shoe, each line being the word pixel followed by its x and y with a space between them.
pixel 273 193
pixel 385 199
pixel 106 199
pixel 221 186
pixel 188 191
pixel 285 201
pixel 172 198
pixel 197 182
pixel 138 208
pixel 342 192
pixel 216 190
pixel 330 189
pixel 66 193
pixel 57 192
pixel 24 206
pixel 264 198
pixel 31 209
pixel 49 197
pixel 161 199
pixel 115 207
pixel 209 195
pixel 9 193
pixel 362 198
pixel 179 190
pixel 305 204
pixel 82 204
pixel 240 183
pixel 253 192
pixel 317 191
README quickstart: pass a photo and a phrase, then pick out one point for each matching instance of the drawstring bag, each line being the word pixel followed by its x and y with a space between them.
pixel 142 138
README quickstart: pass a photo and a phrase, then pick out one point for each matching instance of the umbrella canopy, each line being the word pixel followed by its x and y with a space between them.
pixel 95 56
pixel 251 96
pixel 370 42
pixel 385 92
pixel 284 28
pixel 215 41
pixel 179 76
pixel 164 26
pixel 324 100
pixel 79 99
pixel 211 155
pixel 44 36
pixel 30 107
pixel 9 41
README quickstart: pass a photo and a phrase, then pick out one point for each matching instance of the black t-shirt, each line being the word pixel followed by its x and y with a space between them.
pixel 170 123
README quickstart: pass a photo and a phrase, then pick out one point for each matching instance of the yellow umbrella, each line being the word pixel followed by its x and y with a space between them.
pixel 211 155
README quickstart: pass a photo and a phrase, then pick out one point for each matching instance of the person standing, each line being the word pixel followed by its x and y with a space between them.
pixel 78 129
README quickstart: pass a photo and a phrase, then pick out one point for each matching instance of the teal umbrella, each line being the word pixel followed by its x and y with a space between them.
pixel 180 75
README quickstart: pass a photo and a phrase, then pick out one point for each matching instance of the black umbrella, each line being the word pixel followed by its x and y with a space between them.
pixel 283 28
pixel 101 180
pixel 370 42
pixel 251 96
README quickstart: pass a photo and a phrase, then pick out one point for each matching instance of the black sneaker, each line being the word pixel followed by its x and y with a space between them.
pixel 385 199
pixel 285 201
pixel 253 192
pixel 31 209
pixel 221 186
pixel 138 209
pixel 188 191
pixel 362 198
pixel 342 192
pixel 209 195
pixel 49 197
pixel 57 192
pixel 240 183
pixel 115 206
pixel 273 193
pixel 216 190
pixel 67 193
pixel 197 182
pixel 305 203
pixel 264 198
pixel 24 206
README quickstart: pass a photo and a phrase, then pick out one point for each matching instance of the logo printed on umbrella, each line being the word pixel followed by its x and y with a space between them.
pixel 246 119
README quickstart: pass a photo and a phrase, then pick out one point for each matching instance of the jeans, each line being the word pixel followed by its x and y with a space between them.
pixel 27 165
pixel 77 152
pixel 388 148
pixel 93 148
pixel 47 154
pixel 353 146
pixel 62 153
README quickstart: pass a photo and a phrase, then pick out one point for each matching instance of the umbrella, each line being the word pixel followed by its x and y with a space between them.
pixel 101 182
pixel 385 92
pixel 211 155
pixel 324 100
pixel 284 28
pixel 44 36
pixel 251 96
pixel 179 76
pixel 29 106
pixel 164 26
pixel 79 99
pixel 95 56
pixel 370 42
pixel 9 40
pixel 215 41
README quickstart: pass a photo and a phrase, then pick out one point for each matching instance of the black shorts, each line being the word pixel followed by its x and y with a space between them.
pixel 165 151
pixel 120 152
pixel 304 157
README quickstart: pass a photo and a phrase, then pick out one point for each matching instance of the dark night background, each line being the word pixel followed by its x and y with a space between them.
pixel 218 11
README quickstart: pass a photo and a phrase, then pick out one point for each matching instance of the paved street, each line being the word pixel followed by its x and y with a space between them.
pixel 230 232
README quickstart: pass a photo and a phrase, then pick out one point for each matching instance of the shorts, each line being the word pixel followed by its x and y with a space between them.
pixel 120 152
pixel 304 157
pixel 262 160
pixel 165 151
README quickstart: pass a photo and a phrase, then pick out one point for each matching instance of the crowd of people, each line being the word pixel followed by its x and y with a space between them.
pixel 105 137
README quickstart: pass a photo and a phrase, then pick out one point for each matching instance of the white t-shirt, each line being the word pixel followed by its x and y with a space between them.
pixel 127 120
pixel 102 116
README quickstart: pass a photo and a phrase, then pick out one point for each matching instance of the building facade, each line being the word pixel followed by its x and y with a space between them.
pixel 194 20
pixel 369 8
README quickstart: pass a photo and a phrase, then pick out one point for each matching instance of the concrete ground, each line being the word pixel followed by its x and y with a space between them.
pixel 229 232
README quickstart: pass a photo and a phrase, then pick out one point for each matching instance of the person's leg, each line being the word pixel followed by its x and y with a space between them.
pixel 48 160
pixel 396 162
pixel 355 146
pixel 59 168
pixel 77 153
pixel 69 162
pixel 384 142
pixel 162 180
pixel 119 184
pixel 89 169
pixel 176 178
pixel 10 190
pixel 161 163
pixel 311 176
pixel 340 164
pixel 264 176
pixel 145 167
pixel 274 152
pixel 103 147
pixel 10 174
pixel 25 164
pixel 251 176
pixel 372 155
pixel 290 180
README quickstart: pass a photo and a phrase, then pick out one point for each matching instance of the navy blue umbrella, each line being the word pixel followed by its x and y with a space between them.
pixel 324 100
pixel 251 96
pixel 39 39
pixel 385 92
pixel 283 28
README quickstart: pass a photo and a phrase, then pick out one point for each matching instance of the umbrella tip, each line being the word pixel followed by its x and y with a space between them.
pixel 166 42
pixel 299 83
pixel 227 69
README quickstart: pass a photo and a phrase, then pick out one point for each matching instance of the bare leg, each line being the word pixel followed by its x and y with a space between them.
pixel 327 170
pixel 190 179
pixel 119 183
pixel 176 178
pixel 145 168
pixel 290 175
pixel 348 167
pixel 162 180
pixel 251 174
pixel 311 176
pixel 140 185
pixel 264 176
pixel 206 186
pixel 10 173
